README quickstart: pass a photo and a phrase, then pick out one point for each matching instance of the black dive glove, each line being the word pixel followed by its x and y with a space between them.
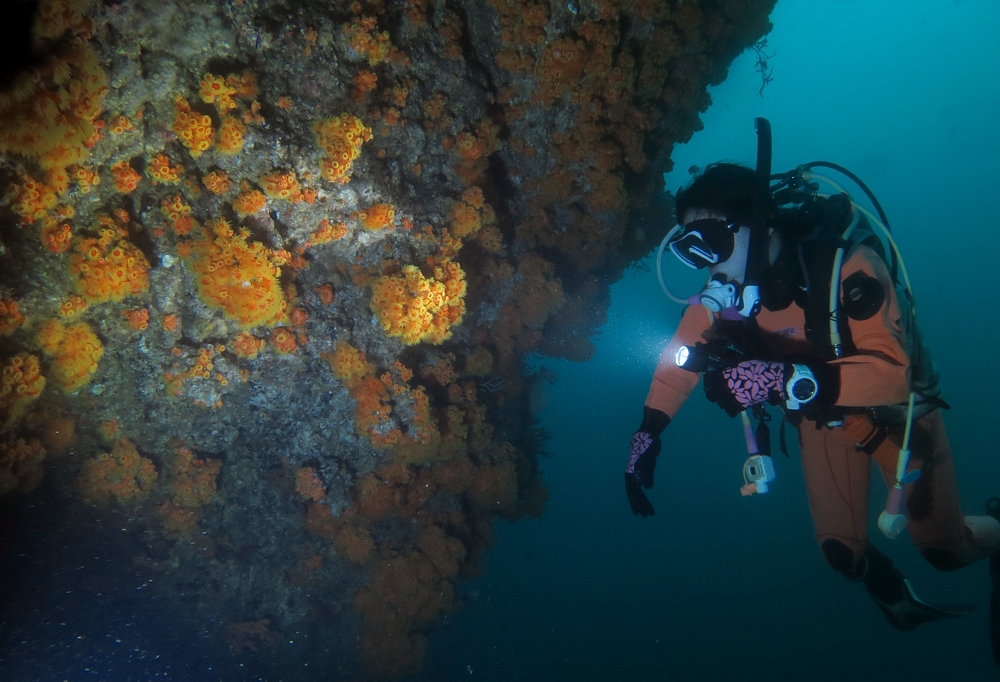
pixel 644 449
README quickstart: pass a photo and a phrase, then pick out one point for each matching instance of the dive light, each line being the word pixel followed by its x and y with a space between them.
pixel 707 357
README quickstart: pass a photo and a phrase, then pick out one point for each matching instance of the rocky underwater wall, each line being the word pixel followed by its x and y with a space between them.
pixel 270 271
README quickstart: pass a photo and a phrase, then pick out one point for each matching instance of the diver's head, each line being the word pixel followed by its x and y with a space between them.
pixel 715 212
pixel 710 239
pixel 726 188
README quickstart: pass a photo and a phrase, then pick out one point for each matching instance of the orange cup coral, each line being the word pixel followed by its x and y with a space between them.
pixel 137 318
pixel 249 201
pixel 124 475
pixel 217 182
pixel 57 238
pixel 125 177
pixel 31 199
pixel 416 308
pixel 340 138
pixel 194 130
pixel 231 134
pixel 74 350
pixel 21 382
pixel 193 483
pixel 108 267
pixel 10 316
pixel 21 465
pixel 378 217
pixel 283 340
pixel 236 276
pixel 160 171
pixel 308 484
pixel 72 306
pixel 281 185
pixel 246 345
pixel 348 363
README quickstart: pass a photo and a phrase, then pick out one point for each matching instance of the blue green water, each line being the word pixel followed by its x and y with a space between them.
pixel 719 587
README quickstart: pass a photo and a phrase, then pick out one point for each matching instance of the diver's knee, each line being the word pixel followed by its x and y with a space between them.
pixel 941 559
pixel 842 559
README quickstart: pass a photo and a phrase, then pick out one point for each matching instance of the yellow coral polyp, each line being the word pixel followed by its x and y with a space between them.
pixel 378 217
pixel 31 199
pixel 280 185
pixel 125 177
pixel 326 233
pixel 74 352
pixel 247 346
pixel 123 475
pixel 160 171
pixel 174 207
pixel 215 89
pixel 221 90
pixel 308 484
pixel 416 308
pixel 10 316
pixel 340 138
pixel 469 147
pixel 465 220
pixel 86 178
pixel 120 124
pixel 283 340
pixel 245 84
pixel 21 467
pixel 348 363
pixel 249 201
pixel 236 276
pixel 21 382
pixel 193 479
pixel 193 129
pixel 374 45
pixel 72 306
pixel 137 318
pixel 55 17
pixel 217 182
pixel 48 112
pixel 231 134
pixel 108 268
pixel 364 81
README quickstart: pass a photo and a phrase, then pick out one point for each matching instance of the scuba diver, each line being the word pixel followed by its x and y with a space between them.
pixel 804 310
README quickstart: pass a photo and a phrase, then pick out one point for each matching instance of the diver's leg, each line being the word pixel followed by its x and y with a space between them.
pixel 945 537
pixel 837 476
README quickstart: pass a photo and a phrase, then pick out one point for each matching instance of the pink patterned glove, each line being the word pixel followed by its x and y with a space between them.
pixel 752 381
pixel 749 383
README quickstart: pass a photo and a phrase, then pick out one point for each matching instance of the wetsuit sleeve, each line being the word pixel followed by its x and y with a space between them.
pixel 878 373
pixel 672 385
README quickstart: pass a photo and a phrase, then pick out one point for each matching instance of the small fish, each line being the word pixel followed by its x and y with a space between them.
pixel 573 6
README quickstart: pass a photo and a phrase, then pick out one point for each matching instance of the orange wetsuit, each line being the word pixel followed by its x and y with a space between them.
pixel 836 471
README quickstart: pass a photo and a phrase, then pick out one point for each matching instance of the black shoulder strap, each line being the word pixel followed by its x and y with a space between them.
pixel 829 218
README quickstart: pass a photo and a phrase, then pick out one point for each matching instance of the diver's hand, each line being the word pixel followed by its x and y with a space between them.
pixel 639 472
pixel 749 383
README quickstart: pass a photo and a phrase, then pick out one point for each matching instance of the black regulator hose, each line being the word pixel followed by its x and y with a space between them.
pixel 857 181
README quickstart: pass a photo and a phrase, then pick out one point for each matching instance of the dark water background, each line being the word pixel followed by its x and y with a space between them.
pixel 719 587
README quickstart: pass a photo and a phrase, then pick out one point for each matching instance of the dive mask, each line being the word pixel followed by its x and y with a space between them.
pixel 706 242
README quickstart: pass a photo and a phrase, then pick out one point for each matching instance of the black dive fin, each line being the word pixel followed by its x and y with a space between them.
pixel 995 607
pixel 911 610
pixel 993 509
